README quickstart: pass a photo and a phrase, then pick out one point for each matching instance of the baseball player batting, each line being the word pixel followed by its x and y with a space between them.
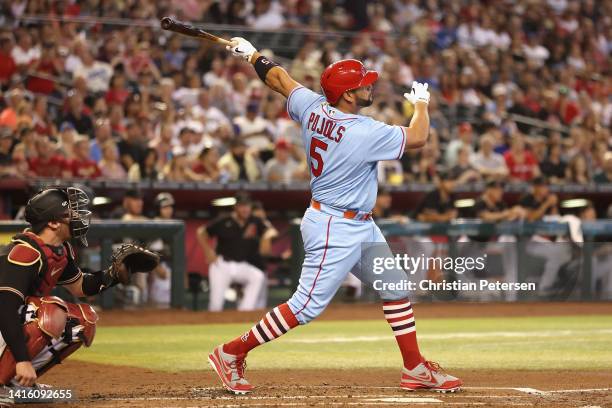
pixel 37 330
pixel 343 149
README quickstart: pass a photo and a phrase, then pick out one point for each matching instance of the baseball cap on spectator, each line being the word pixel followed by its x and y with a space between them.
pixel 66 126
pixel 465 127
pixel 133 193
pixel 499 90
pixel 282 143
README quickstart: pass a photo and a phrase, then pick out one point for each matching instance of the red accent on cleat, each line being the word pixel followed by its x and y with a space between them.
pixel 230 370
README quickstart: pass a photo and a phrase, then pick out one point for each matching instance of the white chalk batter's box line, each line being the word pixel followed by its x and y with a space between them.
pixel 365 399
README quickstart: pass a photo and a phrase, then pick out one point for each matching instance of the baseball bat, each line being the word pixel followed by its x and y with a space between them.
pixel 170 24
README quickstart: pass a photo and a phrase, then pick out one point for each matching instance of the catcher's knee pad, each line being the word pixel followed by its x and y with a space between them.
pixel 45 321
pixel 83 319
pixel 54 329
pixel 80 329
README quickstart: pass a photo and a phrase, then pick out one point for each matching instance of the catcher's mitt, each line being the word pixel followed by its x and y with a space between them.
pixel 130 258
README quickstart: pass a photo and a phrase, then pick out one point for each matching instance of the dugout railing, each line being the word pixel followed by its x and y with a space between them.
pixel 592 231
pixel 107 233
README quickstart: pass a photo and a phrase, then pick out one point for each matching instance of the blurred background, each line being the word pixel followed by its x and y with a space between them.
pixel 94 93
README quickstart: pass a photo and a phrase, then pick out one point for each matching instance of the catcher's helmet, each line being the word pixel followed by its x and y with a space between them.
pixel 343 76
pixel 56 204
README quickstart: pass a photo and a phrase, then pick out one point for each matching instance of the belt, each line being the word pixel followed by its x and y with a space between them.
pixel 349 214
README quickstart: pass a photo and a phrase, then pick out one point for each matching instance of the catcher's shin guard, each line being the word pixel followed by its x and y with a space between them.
pixel 54 329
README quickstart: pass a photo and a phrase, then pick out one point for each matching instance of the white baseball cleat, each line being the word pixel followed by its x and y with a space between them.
pixel 429 376
pixel 230 370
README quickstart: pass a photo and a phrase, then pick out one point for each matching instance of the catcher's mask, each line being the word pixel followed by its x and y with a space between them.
pixel 60 204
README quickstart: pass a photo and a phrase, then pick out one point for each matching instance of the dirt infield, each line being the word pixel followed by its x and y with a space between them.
pixel 105 386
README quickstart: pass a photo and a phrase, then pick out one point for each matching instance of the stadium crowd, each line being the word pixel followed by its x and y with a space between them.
pixel 93 100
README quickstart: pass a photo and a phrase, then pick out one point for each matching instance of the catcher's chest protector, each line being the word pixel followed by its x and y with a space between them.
pixel 53 261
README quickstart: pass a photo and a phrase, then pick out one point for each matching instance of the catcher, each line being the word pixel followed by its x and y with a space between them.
pixel 38 331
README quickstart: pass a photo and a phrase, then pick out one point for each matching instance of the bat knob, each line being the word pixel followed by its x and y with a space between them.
pixel 166 23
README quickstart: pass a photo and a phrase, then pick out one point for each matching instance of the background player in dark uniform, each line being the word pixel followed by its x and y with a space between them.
pixel 238 246
pixel 37 330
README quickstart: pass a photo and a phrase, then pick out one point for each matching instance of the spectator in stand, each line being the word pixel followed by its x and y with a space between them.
pixel 463 172
pixel 25 53
pixel 27 143
pixel 8 116
pixel 240 163
pixel 140 61
pixel 207 165
pixel 41 120
pixel 174 57
pixel 132 148
pixel 213 118
pixel 117 92
pixel 605 176
pixel 78 114
pixel 178 170
pixel 6 152
pixel 282 168
pixel 577 171
pixel 102 132
pixel 464 139
pixel 97 74
pixel 45 71
pixel 146 169
pixel 489 164
pixel 82 165
pixel 109 164
pixel 253 128
pixel 48 163
pixel 553 167
pixel 522 165
pixel 8 67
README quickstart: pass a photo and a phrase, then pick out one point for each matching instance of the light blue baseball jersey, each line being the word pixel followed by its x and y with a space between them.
pixel 343 150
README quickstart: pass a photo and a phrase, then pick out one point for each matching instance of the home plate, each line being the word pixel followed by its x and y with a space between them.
pixel 405 400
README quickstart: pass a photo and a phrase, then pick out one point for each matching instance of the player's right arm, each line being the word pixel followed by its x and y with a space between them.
pixel 273 75
pixel 418 130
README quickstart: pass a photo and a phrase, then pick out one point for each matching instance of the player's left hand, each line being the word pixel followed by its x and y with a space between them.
pixel 241 48
pixel 419 93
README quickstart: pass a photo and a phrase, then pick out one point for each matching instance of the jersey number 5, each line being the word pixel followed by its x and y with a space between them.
pixel 315 156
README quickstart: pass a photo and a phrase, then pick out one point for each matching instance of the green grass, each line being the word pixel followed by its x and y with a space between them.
pixel 574 343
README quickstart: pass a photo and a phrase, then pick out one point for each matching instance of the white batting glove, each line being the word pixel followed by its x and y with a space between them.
pixel 241 48
pixel 419 93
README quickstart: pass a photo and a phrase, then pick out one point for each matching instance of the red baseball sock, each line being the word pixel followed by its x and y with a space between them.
pixel 275 323
pixel 400 317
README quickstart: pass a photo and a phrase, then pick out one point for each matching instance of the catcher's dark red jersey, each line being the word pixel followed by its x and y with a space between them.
pixel 29 267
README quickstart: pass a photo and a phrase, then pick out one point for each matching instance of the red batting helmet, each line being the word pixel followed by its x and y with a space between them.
pixel 343 76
